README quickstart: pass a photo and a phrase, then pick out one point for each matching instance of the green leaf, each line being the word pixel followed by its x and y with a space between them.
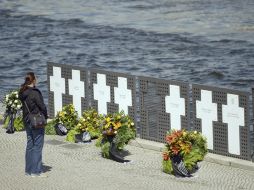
pixel 18 124
pixel 167 166
pixel 105 150
pixel 7 120
pixel 123 136
pixel 71 136
pixel 50 128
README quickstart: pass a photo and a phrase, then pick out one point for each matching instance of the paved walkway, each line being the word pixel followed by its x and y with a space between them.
pixel 80 166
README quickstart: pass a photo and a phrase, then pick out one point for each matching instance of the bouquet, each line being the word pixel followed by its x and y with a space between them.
pixel 68 117
pixel 90 122
pixel 189 147
pixel 12 102
pixel 13 106
pixel 116 131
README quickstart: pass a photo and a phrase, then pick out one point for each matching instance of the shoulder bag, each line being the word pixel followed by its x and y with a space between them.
pixel 37 120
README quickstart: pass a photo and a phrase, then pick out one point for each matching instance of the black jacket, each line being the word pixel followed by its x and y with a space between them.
pixel 34 100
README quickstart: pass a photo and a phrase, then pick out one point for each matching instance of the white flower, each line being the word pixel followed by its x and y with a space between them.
pixel 17 95
pixel 16 101
pixel 18 106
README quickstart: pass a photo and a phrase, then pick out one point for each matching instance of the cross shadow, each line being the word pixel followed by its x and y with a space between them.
pixel 46 168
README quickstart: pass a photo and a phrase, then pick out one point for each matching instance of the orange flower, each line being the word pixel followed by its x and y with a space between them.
pixel 116 125
pixel 175 150
pixel 169 139
pixel 165 156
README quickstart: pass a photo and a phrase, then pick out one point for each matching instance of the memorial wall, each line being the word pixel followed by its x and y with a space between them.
pixel 157 106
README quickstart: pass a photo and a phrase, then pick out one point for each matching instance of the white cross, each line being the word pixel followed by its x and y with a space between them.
pixel 101 93
pixel 234 116
pixel 57 85
pixel 175 105
pixel 207 112
pixel 77 90
pixel 123 95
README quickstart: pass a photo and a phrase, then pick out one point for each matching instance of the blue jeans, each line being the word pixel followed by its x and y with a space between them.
pixel 35 141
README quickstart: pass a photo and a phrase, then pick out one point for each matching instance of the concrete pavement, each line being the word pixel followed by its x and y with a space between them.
pixel 214 158
pixel 80 166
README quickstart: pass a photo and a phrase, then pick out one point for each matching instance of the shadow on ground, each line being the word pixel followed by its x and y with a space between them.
pixel 46 168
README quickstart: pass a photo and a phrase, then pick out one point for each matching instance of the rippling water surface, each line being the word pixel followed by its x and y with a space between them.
pixel 197 41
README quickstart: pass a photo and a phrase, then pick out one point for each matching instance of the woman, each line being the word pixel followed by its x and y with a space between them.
pixel 32 96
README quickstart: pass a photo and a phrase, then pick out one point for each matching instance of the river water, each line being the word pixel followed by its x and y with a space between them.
pixel 196 41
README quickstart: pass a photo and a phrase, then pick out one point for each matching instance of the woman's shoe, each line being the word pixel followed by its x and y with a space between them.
pixel 39 175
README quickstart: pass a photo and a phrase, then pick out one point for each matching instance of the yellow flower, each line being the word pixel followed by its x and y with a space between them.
pixel 107 125
pixel 116 125
pixel 108 119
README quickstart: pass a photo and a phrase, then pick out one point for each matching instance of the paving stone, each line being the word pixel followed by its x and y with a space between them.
pixel 80 166
pixel 71 146
pixel 54 142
